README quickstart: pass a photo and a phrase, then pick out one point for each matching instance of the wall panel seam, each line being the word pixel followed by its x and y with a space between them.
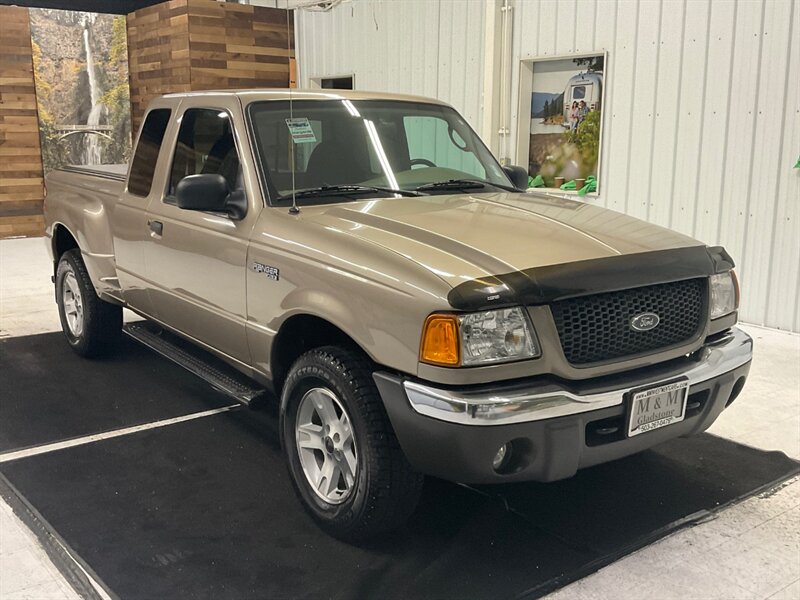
pixel 633 103
pixel 654 111
pixel 723 173
pixel 780 163
pixel 753 131
pixel 677 115
pixel 702 123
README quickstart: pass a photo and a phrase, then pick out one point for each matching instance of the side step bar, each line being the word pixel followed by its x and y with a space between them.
pixel 220 375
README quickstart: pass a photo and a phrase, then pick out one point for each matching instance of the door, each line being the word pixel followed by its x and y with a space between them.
pixel 196 261
pixel 129 221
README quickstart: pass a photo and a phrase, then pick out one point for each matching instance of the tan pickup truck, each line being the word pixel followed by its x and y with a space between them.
pixel 365 258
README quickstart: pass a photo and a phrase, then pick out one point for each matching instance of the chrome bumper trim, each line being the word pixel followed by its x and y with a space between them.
pixel 524 405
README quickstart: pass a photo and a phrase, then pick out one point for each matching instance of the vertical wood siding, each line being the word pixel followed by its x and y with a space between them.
pixel 21 177
pixel 702 106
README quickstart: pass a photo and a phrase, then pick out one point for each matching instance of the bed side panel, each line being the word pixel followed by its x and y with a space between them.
pixel 83 203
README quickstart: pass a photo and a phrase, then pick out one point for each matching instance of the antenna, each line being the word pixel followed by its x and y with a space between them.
pixel 294 210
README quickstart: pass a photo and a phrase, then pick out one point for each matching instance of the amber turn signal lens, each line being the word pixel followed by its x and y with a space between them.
pixel 440 344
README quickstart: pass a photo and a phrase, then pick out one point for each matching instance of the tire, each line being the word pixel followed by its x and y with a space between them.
pixel 92 326
pixel 384 490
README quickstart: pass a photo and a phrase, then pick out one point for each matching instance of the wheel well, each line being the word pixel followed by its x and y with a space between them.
pixel 298 335
pixel 62 241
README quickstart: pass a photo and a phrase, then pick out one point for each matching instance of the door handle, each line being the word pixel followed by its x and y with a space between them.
pixel 156 227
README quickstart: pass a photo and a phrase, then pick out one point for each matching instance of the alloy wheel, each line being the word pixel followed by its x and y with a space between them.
pixel 326 446
pixel 73 304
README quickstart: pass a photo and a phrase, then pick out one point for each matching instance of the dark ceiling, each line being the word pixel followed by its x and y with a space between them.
pixel 119 7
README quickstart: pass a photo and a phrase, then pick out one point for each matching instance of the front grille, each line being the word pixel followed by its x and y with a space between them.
pixel 598 328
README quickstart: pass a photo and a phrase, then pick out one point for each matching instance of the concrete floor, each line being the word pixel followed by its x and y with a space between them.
pixel 750 550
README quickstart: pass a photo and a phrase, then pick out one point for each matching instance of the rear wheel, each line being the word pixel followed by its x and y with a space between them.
pixel 91 325
pixel 346 464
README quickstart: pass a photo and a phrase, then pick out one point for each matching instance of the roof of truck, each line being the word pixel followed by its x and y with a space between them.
pixel 298 94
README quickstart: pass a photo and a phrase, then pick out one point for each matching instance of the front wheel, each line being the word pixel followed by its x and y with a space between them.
pixel 91 325
pixel 346 464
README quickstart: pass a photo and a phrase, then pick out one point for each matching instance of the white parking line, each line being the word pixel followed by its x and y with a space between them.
pixel 97 437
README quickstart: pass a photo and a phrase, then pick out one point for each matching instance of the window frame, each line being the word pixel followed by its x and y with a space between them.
pixel 582 87
pixel 270 192
pixel 438 119
pixel 166 196
pixel 161 145
pixel 316 82
pixel 519 151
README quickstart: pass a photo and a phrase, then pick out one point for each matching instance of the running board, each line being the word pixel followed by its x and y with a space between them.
pixel 217 373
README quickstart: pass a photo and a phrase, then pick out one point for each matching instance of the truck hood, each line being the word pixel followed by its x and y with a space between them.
pixel 463 237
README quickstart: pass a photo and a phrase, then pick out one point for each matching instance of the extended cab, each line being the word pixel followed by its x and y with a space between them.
pixel 366 259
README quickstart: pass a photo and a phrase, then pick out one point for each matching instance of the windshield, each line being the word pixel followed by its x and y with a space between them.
pixel 372 146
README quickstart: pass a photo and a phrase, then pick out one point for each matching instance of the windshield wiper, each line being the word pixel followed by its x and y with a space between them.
pixel 455 184
pixel 346 190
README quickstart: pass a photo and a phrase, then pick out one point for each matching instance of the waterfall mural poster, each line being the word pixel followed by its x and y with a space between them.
pixel 565 125
pixel 81 69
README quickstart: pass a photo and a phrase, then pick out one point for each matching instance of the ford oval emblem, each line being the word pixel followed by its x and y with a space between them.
pixel 645 321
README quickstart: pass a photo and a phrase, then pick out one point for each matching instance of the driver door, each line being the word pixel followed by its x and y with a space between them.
pixel 196 260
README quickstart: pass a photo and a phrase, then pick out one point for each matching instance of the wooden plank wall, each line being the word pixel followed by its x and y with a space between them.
pixel 185 45
pixel 21 175
pixel 158 54
pixel 239 45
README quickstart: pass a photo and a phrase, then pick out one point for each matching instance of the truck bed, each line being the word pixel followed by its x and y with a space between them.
pixel 82 200
pixel 117 172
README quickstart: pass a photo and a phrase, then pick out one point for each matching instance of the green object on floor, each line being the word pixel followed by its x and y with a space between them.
pixel 537 181
pixel 797 164
pixel 569 185
pixel 591 186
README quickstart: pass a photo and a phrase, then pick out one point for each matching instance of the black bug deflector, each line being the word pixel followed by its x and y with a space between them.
pixel 541 285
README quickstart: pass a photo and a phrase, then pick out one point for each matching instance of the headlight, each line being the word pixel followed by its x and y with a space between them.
pixel 724 294
pixel 487 337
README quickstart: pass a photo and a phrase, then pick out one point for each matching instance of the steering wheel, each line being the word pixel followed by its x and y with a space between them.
pixel 421 161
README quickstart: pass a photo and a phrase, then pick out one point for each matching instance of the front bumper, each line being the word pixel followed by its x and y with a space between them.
pixel 555 427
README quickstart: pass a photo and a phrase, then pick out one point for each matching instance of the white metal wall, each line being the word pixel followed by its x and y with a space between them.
pixel 426 47
pixel 702 107
pixel 701 124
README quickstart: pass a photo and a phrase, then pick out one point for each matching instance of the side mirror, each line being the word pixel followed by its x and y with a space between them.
pixel 209 192
pixel 518 176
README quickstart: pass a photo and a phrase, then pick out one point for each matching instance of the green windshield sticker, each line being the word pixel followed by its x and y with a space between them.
pixel 301 131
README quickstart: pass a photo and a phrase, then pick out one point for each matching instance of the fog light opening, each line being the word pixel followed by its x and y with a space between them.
pixel 502 458
pixel 737 389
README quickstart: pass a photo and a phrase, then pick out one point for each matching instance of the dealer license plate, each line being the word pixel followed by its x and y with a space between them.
pixel 657 407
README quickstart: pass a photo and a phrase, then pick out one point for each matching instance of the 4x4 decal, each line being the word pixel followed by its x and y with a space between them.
pixel 271 272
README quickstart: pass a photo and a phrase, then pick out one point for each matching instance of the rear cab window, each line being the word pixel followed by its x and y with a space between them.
pixel 145 158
